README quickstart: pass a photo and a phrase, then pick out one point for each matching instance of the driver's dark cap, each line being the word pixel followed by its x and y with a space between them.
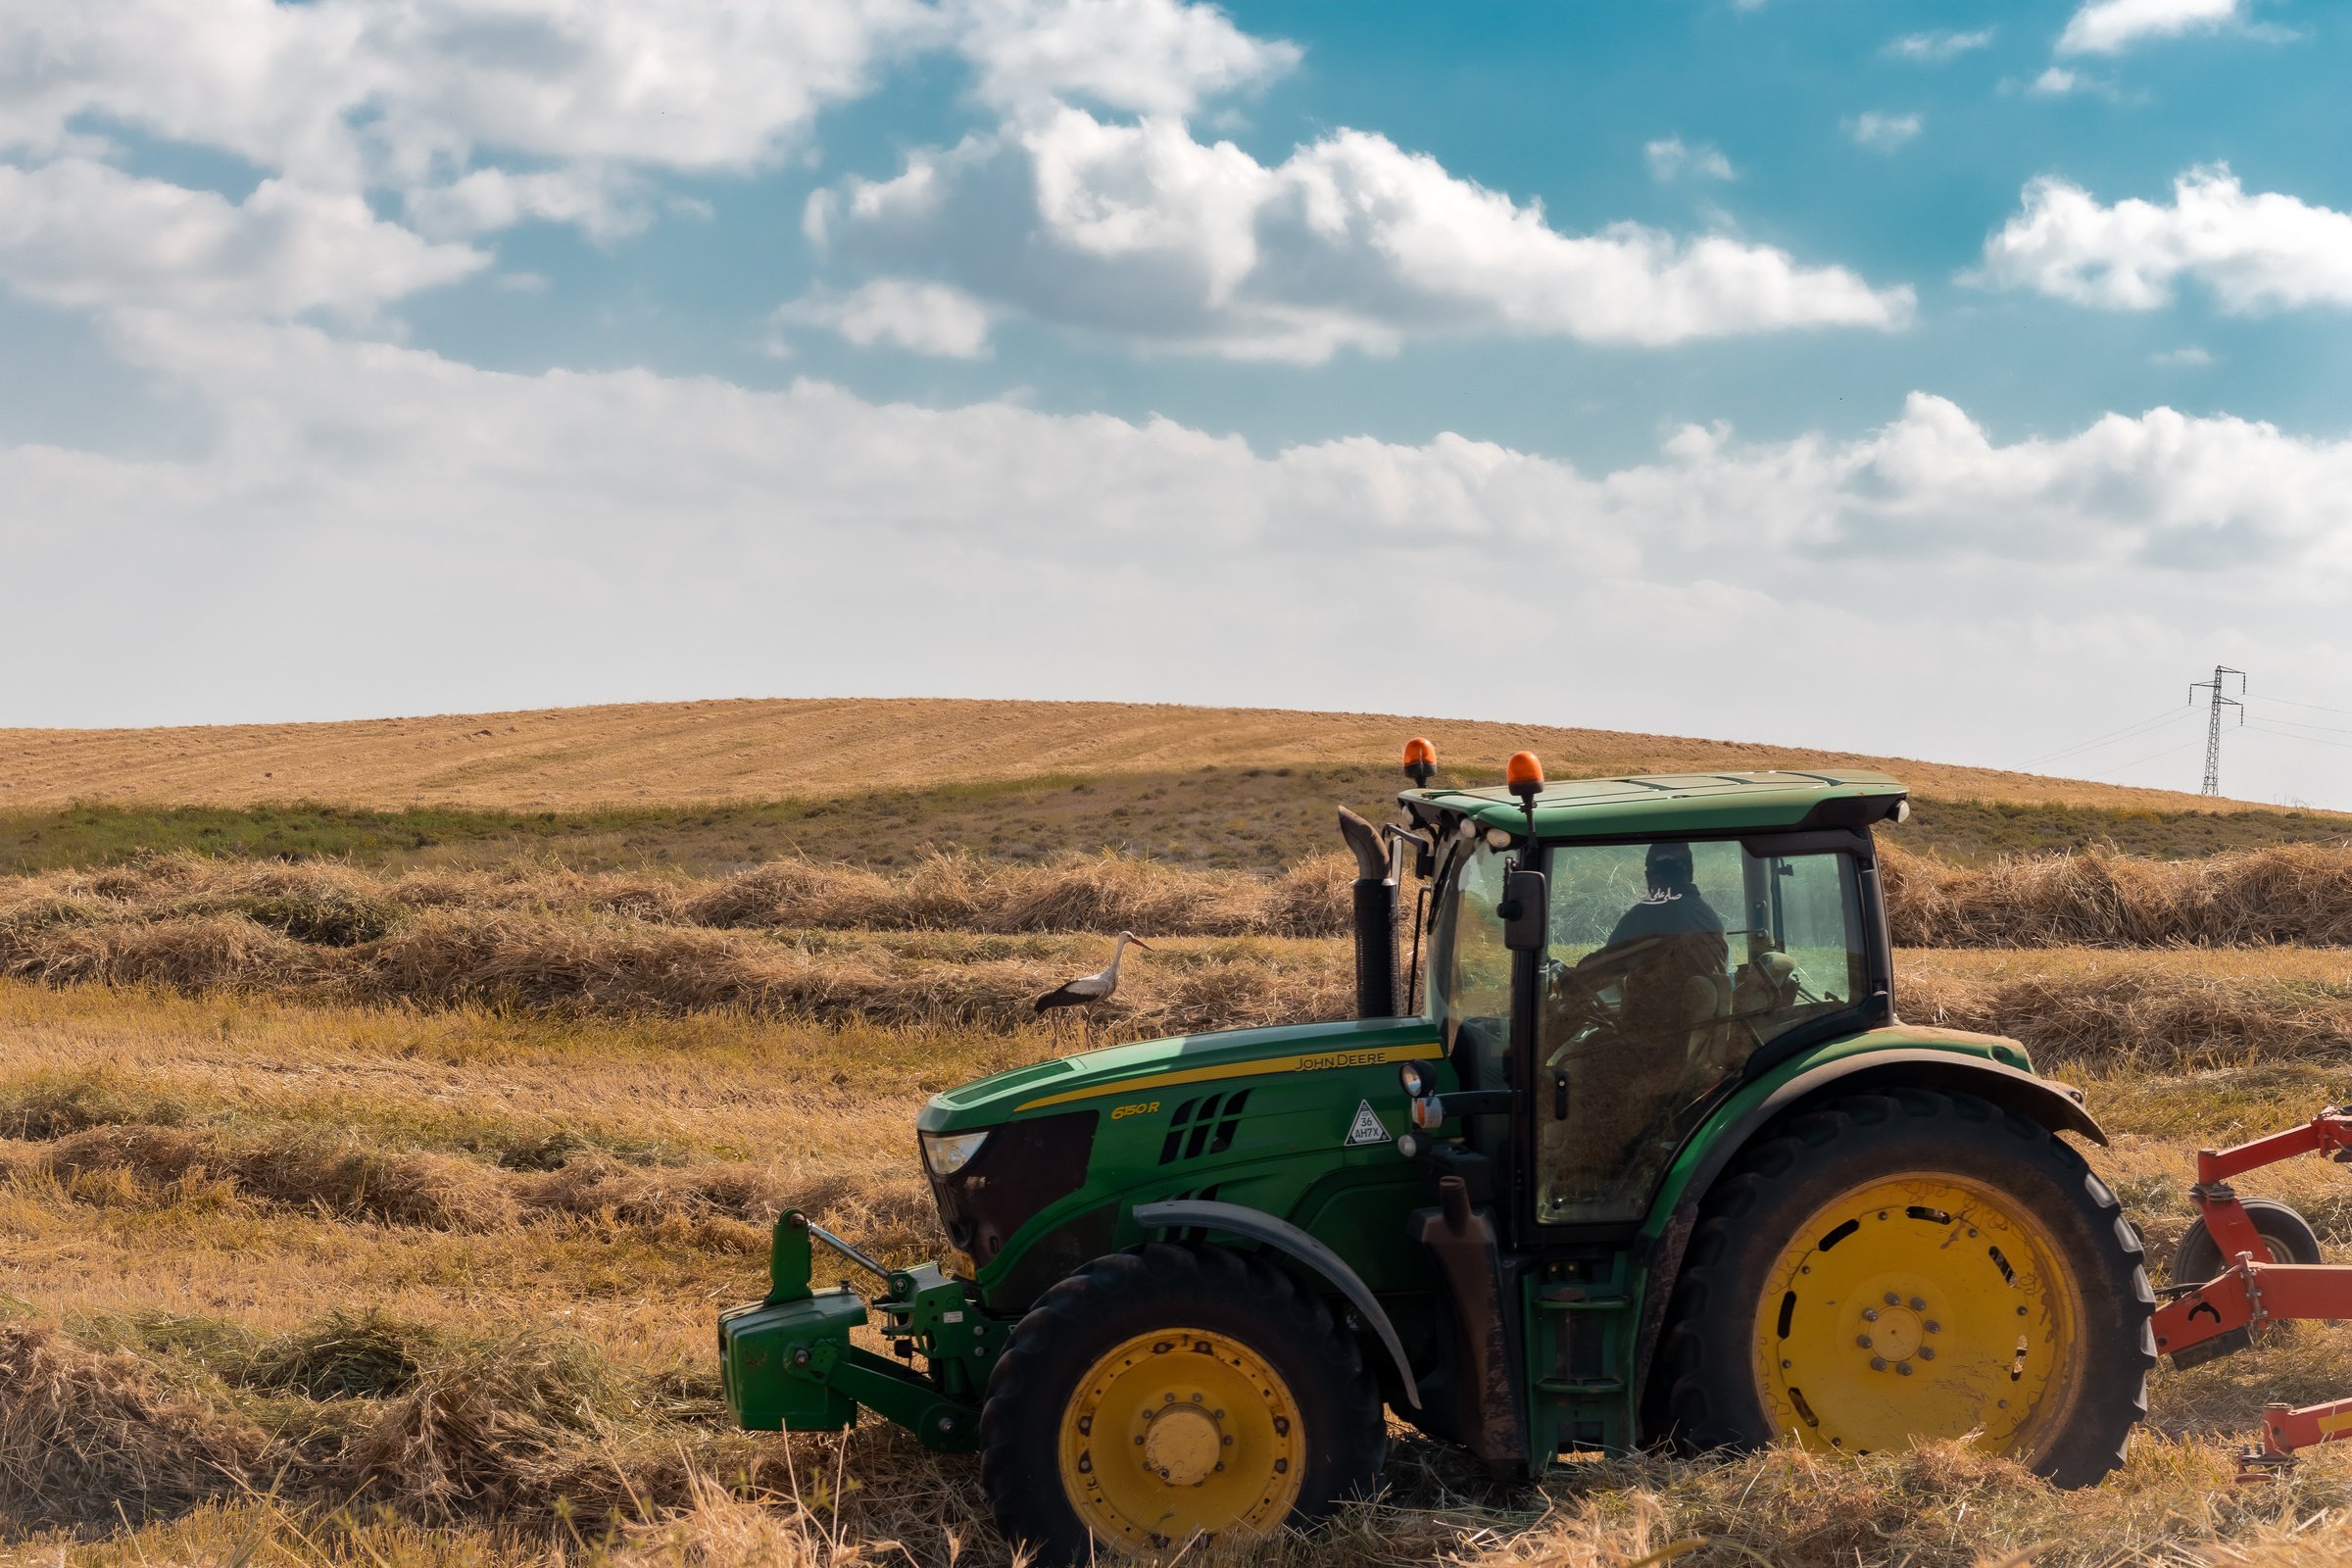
pixel 1668 861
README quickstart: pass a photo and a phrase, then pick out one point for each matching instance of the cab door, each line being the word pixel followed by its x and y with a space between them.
pixel 1670 966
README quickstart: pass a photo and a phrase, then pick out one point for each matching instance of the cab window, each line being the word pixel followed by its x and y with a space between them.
pixel 1669 964
pixel 1470 972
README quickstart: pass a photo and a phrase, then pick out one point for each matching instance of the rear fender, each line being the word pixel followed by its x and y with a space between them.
pixel 2055 1105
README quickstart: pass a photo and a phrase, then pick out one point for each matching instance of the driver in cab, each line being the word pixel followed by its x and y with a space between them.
pixel 1684 947
pixel 1671 956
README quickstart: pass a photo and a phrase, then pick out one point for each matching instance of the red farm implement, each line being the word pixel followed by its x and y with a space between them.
pixel 2272 1274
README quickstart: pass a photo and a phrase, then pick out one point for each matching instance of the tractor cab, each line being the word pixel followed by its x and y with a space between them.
pixel 1690 931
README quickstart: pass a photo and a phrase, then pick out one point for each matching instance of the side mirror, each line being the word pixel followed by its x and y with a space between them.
pixel 1525 909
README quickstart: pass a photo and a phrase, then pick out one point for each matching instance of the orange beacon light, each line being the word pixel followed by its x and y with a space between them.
pixel 1524 774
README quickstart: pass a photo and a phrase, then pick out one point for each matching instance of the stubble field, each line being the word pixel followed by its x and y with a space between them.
pixel 376 1212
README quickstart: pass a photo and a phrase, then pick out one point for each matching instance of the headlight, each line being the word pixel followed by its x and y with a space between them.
pixel 949 1152
pixel 1416 1078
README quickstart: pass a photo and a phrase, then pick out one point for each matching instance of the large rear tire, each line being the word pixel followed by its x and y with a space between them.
pixel 1173 1394
pixel 1904 1266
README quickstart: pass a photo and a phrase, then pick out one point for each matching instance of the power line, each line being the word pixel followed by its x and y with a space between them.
pixel 2302 723
pixel 2290 735
pixel 2213 728
pixel 2321 707
pixel 2152 758
pixel 2168 717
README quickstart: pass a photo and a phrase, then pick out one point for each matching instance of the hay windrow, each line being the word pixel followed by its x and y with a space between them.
pixel 519 1429
pixel 2297 893
pixel 2133 1009
pixel 180 920
pixel 2139 1004
pixel 309 1170
pixel 332 905
pixel 83 1434
pixel 724 1206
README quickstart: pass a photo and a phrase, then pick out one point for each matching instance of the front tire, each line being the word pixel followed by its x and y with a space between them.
pixel 1173 1394
pixel 1913 1266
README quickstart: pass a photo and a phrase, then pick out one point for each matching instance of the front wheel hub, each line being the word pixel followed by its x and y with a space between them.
pixel 1182 1434
pixel 1182 1442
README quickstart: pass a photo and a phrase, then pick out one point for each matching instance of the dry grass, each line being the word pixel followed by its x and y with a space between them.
pixel 967 943
pixel 2182 1010
pixel 764 942
pixel 87 1437
pixel 964 941
pixel 2296 893
pixel 337 906
pixel 686 753
pixel 301 1284
pixel 298 1277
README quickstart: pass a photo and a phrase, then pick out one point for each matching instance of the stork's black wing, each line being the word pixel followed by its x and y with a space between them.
pixel 1063 997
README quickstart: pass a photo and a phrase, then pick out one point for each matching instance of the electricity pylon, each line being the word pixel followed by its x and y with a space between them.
pixel 2213 725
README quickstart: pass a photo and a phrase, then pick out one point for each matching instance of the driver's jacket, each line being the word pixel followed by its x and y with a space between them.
pixel 1658 991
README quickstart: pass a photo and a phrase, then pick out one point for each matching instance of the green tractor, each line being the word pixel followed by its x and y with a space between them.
pixel 1627 1146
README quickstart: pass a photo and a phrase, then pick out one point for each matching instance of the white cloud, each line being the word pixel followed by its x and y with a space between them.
pixel 1669 159
pixel 444 99
pixel 604 204
pixel 1938 45
pixel 342 93
pixel 1881 133
pixel 743 538
pixel 1152 57
pixel 925 318
pixel 2192 356
pixel 2064 81
pixel 1142 232
pixel 2109 27
pixel 81 233
pixel 2256 252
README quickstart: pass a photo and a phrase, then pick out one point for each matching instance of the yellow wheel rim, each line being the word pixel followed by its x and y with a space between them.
pixel 1179 1433
pixel 1917 1308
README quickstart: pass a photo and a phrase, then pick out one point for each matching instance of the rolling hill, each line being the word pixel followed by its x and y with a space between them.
pixel 674 754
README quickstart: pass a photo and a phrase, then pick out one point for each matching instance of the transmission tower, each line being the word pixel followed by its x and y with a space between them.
pixel 2213 725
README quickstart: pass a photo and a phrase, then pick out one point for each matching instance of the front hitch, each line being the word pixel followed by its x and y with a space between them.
pixel 787 1364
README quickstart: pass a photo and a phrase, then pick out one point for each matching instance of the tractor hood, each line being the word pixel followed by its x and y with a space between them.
pixel 1117 1071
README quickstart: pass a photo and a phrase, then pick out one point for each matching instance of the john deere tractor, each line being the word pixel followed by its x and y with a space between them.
pixel 1627 1146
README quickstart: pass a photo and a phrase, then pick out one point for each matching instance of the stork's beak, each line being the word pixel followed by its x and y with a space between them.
pixel 1141 942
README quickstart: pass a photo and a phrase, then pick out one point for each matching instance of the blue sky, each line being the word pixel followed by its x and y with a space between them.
pixel 1947 380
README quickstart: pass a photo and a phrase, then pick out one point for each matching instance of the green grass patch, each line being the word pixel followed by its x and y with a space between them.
pixel 1974 831
pixel 1245 818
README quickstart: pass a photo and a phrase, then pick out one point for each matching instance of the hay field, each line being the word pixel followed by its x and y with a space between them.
pixel 711 752
pixel 379 1215
pixel 297 1283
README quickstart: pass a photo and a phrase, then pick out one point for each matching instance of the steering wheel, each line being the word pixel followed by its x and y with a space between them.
pixel 1573 991
pixel 1604 965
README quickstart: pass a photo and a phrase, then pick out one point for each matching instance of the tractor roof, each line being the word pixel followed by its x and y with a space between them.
pixel 1642 805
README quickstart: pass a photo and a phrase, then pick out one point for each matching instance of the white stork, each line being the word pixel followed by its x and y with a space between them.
pixel 1086 990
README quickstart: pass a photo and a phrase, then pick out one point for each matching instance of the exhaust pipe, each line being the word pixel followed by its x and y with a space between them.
pixel 1375 906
